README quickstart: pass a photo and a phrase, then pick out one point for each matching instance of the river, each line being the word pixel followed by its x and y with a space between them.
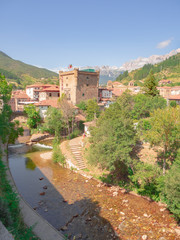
pixel 82 207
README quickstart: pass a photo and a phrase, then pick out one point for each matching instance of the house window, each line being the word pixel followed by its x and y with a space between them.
pixel 66 84
pixel 58 94
pixel 83 94
pixel 87 78
pixel 87 85
pixel 49 94
pixel 66 77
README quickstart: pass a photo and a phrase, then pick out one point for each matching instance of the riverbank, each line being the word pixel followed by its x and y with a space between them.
pixel 115 191
pixel 22 211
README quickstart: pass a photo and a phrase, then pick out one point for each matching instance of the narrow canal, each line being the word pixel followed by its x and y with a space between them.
pixel 82 207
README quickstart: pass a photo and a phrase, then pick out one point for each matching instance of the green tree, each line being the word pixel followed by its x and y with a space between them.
pixel 53 122
pixel 150 85
pixel 112 139
pixel 5 89
pixel 146 178
pixel 92 110
pixel 82 105
pixel 172 187
pixel 9 131
pixel 144 104
pixel 33 116
pixel 68 113
pixel 165 132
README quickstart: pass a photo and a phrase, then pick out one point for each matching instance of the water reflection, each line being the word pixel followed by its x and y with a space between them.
pixel 58 195
pixel 30 164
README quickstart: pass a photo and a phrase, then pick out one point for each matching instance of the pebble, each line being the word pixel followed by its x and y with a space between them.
pixel 144 237
pixel 125 201
pixel 123 191
pixel 162 209
pixel 46 210
pixel 145 215
pixel 64 228
pixel 122 213
pixel 115 194
pixel 177 230
pixel 42 193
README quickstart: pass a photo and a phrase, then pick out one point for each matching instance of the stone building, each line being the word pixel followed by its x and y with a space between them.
pixel 79 85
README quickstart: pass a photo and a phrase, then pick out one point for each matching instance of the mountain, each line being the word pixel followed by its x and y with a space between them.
pixel 167 69
pixel 140 62
pixel 22 73
pixel 112 72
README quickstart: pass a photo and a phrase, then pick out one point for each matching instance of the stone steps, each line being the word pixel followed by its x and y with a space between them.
pixel 76 150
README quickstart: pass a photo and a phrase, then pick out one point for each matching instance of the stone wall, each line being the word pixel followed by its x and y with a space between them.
pixel 79 85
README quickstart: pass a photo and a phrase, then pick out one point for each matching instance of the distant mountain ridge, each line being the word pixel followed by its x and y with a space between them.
pixel 112 72
pixel 140 62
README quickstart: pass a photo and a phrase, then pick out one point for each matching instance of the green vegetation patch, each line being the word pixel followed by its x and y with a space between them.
pixel 9 209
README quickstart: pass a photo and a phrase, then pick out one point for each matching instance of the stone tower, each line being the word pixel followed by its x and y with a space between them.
pixel 79 85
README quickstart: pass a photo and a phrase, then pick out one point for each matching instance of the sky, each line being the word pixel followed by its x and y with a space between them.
pixel 55 33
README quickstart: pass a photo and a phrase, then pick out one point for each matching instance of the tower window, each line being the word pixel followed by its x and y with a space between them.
pixel 83 94
pixel 87 85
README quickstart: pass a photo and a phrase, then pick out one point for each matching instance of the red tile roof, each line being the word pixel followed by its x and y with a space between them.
pixel 49 89
pixel 174 97
pixel 49 102
pixel 39 85
pixel 80 117
pixel 117 92
pixel 20 94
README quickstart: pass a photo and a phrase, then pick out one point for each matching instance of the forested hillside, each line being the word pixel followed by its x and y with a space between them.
pixel 22 74
pixel 168 69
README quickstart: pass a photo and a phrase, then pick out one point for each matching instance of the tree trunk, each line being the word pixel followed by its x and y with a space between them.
pixel 164 160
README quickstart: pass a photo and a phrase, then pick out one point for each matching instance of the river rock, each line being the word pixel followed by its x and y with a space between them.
pixel 115 194
pixel 144 237
pixel 124 191
pixel 177 230
pixel 64 228
pixel 162 209
pixel 42 193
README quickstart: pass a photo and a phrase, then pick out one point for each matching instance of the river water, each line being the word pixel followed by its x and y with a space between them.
pixel 82 207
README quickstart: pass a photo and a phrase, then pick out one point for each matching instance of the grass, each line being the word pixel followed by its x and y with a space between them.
pixel 9 209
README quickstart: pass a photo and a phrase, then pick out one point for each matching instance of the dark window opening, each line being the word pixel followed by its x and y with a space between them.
pixel 58 94
pixel 83 94
pixel 66 84
pixel 87 85
pixel 50 94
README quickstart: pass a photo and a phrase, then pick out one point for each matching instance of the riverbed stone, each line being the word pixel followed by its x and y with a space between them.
pixel 144 237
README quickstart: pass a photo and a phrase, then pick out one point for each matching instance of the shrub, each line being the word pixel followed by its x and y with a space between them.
pixel 57 156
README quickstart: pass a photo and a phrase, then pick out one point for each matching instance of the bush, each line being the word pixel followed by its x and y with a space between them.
pixel 5 214
pixel 146 180
pixel 74 134
pixel 9 209
pixel 57 156
pixel 172 188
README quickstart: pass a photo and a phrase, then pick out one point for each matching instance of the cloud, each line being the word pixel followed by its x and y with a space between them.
pixel 164 43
